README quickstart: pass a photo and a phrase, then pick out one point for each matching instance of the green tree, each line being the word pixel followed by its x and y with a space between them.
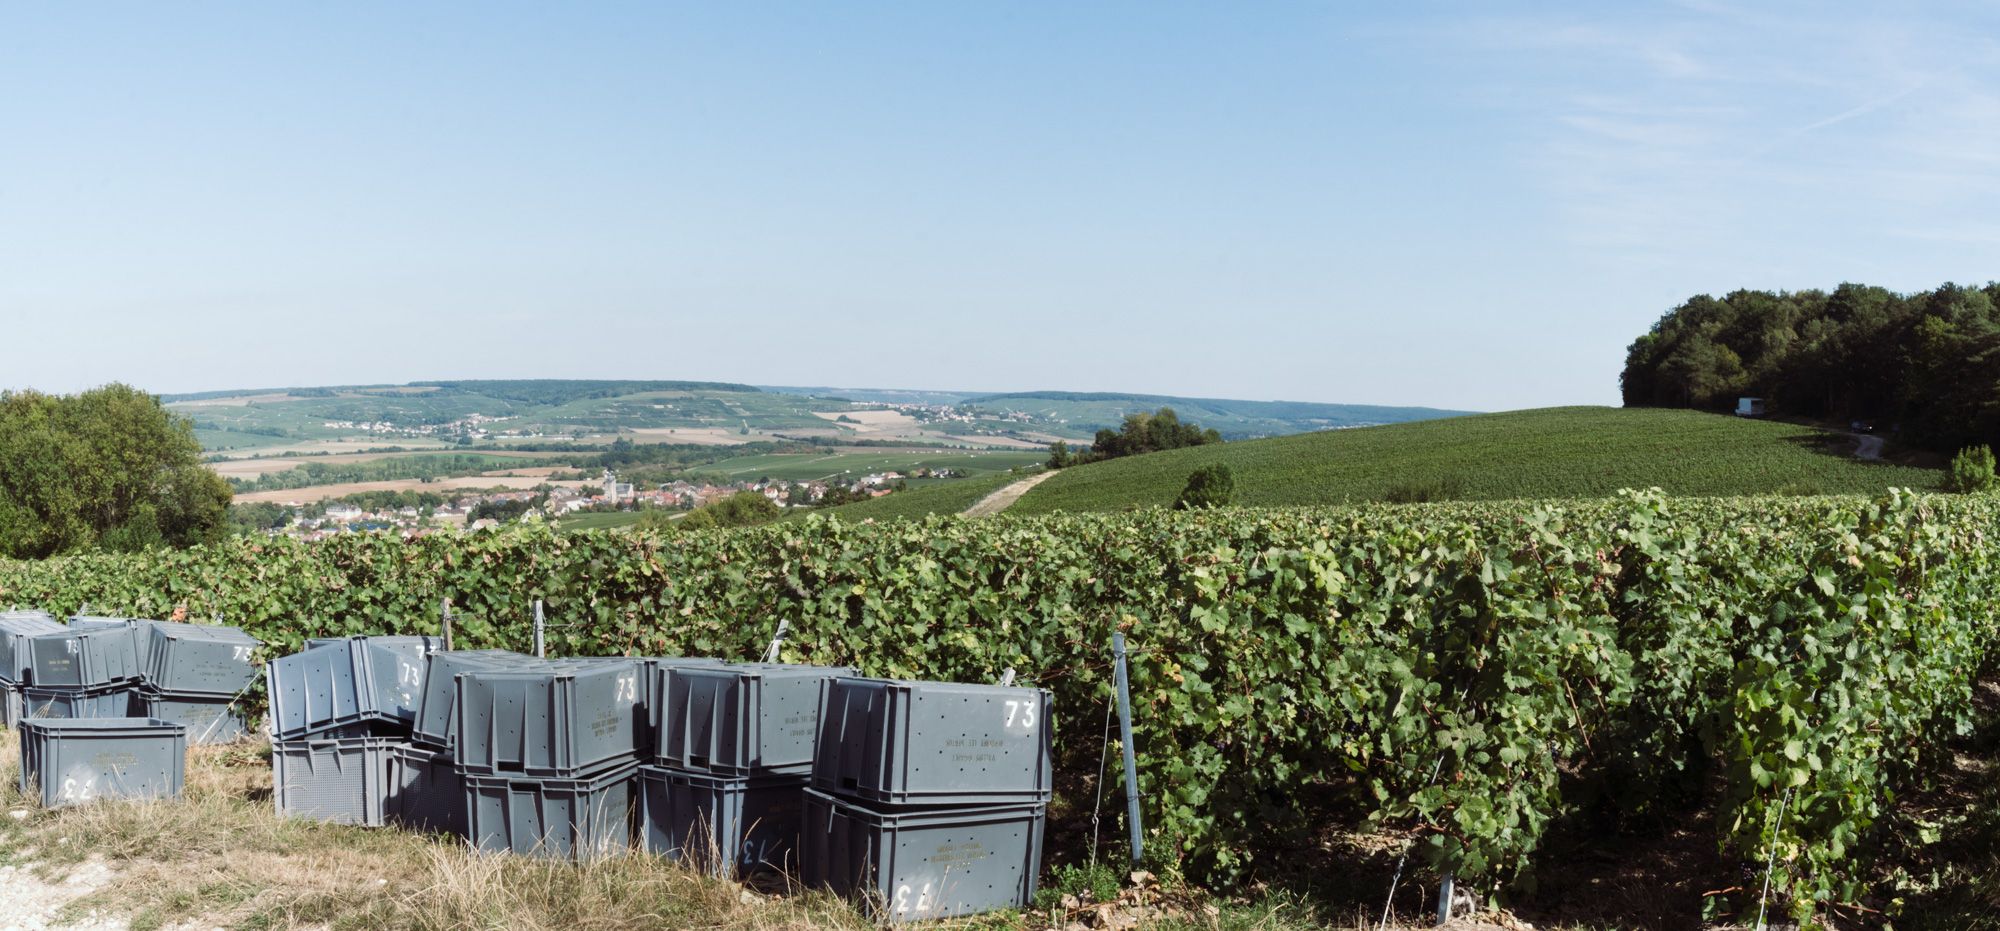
pixel 1059 457
pixel 257 517
pixel 1928 363
pixel 1149 433
pixel 1210 486
pixel 110 468
pixel 1971 471
pixel 742 509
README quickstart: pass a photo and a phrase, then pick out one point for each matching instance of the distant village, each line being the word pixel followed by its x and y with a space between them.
pixel 553 502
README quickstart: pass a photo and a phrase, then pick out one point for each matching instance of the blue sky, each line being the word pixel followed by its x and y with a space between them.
pixel 1461 205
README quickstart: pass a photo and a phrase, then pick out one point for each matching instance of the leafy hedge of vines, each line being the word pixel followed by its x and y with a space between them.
pixel 1463 673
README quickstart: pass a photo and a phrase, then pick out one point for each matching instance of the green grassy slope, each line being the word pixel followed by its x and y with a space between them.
pixel 1552 453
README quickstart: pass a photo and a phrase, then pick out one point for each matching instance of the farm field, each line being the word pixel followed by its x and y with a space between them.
pixel 854 463
pixel 1568 452
pixel 520 479
pixel 251 468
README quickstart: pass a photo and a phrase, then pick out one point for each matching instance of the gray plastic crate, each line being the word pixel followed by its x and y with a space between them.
pixel 17 662
pixel 344 780
pixel 10 706
pixel 574 818
pixel 85 658
pixel 923 864
pixel 435 721
pixel 721 825
pixel 80 760
pixel 895 742
pixel 748 719
pixel 90 622
pixel 344 682
pixel 318 689
pixel 210 719
pixel 426 791
pixel 658 669
pixel 199 659
pixel 396 667
pixel 60 703
pixel 562 719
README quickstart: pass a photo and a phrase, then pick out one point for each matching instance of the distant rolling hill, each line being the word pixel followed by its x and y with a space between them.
pixel 875 395
pixel 499 412
pixel 1086 412
pixel 1569 452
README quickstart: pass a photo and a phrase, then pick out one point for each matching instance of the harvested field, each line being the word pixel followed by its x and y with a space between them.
pixel 241 400
pixel 1005 442
pixel 704 436
pixel 892 423
pixel 324 492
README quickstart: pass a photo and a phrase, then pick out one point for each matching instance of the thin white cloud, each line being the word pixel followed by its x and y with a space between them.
pixel 1705 129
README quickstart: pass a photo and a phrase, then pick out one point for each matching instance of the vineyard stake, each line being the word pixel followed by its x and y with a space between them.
pixel 541 651
pixel 1444 898
pixel 445 623
pixel 771 652
pixel 1125 736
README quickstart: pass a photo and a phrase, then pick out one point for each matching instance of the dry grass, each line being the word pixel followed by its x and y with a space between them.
pixel 221 857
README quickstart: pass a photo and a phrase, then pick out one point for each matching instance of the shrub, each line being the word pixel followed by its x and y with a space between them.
pixel 1422 490
pixel 1971 471
pixel 1207 487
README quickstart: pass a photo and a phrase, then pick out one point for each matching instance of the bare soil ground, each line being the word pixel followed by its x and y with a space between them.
pixel 1005 497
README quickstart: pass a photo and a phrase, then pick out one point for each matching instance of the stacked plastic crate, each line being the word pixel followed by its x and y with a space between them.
pixel 195 674
pixel 929 799
pixel 74 761
pixel 83 672
pixel 340 710
pixel 423 775
pixel 16 662
pixel 546 753
pixel 100 667
pixel 734 754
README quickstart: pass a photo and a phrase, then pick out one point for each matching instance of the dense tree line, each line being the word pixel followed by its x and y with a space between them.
pixel 110 468
pixel 1927 363
pixel 1140 433
pixel 742 509
pixel 501 511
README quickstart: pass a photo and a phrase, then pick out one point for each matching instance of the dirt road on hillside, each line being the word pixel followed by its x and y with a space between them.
pixel 1004 498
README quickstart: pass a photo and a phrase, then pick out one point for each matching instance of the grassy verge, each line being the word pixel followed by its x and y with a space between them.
pixel 220 857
